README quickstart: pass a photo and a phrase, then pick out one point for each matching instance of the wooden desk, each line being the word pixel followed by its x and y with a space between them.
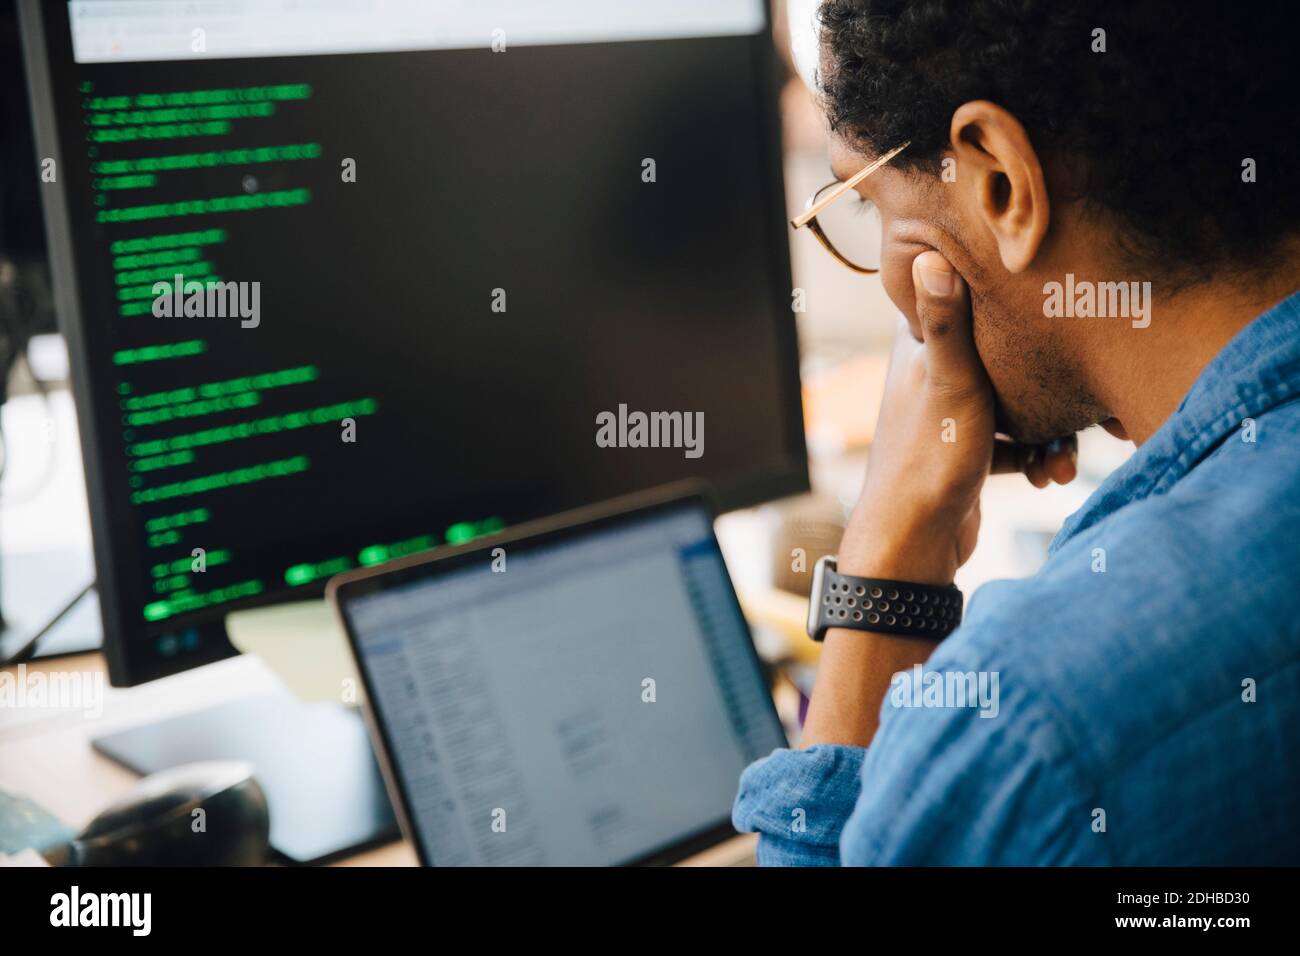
pixel 45 754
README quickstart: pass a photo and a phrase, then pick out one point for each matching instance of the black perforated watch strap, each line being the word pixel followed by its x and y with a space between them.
pixel 891 607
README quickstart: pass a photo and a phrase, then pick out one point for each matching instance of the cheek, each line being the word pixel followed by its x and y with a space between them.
pixel 896 275
pixel 988 338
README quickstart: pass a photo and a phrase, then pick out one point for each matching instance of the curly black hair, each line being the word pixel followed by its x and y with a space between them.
pixel 1154 130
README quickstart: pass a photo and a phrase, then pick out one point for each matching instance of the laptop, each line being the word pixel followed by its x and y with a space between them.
pixel 579 691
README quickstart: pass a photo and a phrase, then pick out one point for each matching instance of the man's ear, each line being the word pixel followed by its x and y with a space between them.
pixel 1000 171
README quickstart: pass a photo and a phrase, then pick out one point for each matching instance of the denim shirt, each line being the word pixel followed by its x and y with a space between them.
pixel 1148 677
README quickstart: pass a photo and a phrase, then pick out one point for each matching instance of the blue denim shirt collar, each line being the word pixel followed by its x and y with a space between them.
pixel 1257 370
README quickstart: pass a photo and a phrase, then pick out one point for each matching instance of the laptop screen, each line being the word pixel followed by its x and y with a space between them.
pixel 587 700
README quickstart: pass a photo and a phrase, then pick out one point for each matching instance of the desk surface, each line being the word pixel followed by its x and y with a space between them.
pixel 45 754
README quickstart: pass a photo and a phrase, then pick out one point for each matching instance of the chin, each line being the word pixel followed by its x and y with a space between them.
pixel 1026 426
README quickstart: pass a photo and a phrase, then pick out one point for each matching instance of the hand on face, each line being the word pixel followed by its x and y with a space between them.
pixel 918 516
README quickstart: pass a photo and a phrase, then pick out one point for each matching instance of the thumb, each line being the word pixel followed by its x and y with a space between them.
pixel 943 310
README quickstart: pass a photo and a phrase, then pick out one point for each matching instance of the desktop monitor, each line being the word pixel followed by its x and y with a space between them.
pixel 345 282
pixel 22 234
pixel 26 308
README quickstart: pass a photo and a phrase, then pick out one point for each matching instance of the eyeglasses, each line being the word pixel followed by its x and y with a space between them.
pixel 852 231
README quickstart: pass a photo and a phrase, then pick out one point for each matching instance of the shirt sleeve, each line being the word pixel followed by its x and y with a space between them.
pixel 995 782
pixel 948 787
pixel 798 801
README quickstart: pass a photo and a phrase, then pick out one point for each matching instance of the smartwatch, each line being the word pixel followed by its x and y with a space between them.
pixel 879 605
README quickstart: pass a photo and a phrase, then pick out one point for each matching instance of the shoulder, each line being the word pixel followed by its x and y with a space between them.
pixel 1118 672
pixel 1166 605
pixel 970 767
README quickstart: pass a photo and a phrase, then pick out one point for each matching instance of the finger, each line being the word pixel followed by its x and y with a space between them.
pixel 943 309
pixel 1056 461
pixel 1061 459
pixel 1036 470
pixel 1009 457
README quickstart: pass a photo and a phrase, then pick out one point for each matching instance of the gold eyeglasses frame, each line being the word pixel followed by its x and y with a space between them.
pixel 814 206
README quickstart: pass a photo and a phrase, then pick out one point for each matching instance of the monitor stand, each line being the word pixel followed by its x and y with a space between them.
pixel 313 760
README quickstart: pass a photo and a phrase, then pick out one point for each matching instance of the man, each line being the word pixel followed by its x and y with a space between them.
pixel 1148 677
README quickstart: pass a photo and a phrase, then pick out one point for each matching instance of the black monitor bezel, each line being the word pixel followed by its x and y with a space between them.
pixel 344 589
pixel 128 663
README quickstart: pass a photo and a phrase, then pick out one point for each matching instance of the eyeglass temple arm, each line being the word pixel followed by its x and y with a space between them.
pixel 811 212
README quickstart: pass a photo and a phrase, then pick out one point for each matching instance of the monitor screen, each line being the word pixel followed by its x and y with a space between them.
pixel 592 705
pixel 343 282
